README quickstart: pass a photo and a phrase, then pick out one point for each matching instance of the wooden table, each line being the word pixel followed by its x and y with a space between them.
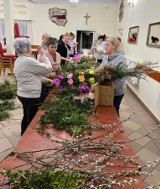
pixel 32 140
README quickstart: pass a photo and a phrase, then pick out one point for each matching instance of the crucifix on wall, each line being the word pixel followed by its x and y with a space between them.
pixel 86 17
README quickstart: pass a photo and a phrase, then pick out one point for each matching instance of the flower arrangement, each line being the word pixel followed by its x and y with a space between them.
pixel 82 80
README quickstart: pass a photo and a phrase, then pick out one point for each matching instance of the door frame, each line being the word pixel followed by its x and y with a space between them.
pixel 94 31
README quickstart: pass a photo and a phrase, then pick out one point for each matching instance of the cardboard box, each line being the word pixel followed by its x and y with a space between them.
pixel 104 94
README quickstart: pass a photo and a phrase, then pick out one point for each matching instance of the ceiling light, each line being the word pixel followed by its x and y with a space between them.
pixel 73 3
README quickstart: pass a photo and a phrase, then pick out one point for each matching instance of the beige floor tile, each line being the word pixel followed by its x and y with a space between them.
pixel 13 139
pixel 155 179
pixel 126 114
pixel 132 125
pixel 16 112
pixel 7 131
pixel 153 147
pixel 1 126
pixel 128 130
pixel 2 156
pixel 146 155
pixel 16 128
pixel 18 117
pixel 136 147
pixel 139 139
pixel 10 130
pixel 142 131
pixel 7 152
pixel 2 135
pixel 136 119
pixel 146 119
pixel 149 127
pixel 5 144
pixel 124 107
pixel 18 121
pixel 158 167
pixel 8 122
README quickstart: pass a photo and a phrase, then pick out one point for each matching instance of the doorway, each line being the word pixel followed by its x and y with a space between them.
pixel 85 40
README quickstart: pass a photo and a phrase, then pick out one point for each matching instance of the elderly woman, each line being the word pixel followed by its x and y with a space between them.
pixel 115 58
pixel 28 74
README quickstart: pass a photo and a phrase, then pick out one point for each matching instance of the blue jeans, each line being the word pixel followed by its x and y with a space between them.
pixel 117 101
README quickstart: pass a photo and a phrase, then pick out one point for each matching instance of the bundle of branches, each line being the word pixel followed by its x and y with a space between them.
pixel 68 114
pixel 86 162
pixel 109 72
pixel 7 94
pixel 7 90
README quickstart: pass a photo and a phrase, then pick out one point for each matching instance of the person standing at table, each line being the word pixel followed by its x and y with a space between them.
pixel 28 74
pixel 55 60
pixel 64 49
pixel 51 53
pixel 72 44
pixel 45 38
pixel 115 58
pixel 98 48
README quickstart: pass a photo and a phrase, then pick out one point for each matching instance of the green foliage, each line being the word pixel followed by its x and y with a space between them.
pixel 68 114
pixel 70 90
pixel 7 105
pixel 68 69
pixel 44 180
pixel 4 115
pixel 7 90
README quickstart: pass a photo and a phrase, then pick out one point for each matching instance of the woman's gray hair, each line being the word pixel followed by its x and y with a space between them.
pixel 114 41
pixel 21 45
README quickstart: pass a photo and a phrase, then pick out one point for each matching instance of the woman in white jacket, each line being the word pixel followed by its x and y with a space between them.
pixel 28 74
pixel 99 48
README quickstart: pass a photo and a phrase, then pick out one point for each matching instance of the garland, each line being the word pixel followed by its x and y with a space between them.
pixel 68 114
pixel 7 94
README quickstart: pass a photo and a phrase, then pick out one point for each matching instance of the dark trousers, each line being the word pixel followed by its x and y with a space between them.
pixel 30 108
pixel 99 61
pixel 117 101
pixel 44 92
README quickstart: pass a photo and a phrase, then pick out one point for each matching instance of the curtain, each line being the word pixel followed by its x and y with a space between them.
pixel 16 30
pixel 2 32
pixel 24 27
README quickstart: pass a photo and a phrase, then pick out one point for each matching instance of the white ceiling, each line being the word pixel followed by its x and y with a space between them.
pixel 63 1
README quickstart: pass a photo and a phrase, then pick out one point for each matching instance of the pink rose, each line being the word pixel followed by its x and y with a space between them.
pixel 70 82
pixel 69 76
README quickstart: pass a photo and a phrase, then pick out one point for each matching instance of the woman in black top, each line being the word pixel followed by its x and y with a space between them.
pixel 63 49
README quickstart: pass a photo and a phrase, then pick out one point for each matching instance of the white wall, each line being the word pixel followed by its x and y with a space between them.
pixel 103 19
pixel 142 14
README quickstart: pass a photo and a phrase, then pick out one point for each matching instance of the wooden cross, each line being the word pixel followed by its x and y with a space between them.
pixel 86 17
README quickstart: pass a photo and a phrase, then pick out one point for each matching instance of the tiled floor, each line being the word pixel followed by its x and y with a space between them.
pixel 138 126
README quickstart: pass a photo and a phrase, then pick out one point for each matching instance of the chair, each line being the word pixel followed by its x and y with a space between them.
pixel 34 50
pixel 12 56
pixel 6 62
pixel 1 66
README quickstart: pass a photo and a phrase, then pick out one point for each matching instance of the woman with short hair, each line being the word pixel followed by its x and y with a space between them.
pixel 64 49
pixel 28 74
pixel 115 58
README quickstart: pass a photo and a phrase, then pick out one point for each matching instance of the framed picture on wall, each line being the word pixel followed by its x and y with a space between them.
pixel 153 37
pixel 133 35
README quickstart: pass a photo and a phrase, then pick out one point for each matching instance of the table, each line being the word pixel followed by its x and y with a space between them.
pixel 32 140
